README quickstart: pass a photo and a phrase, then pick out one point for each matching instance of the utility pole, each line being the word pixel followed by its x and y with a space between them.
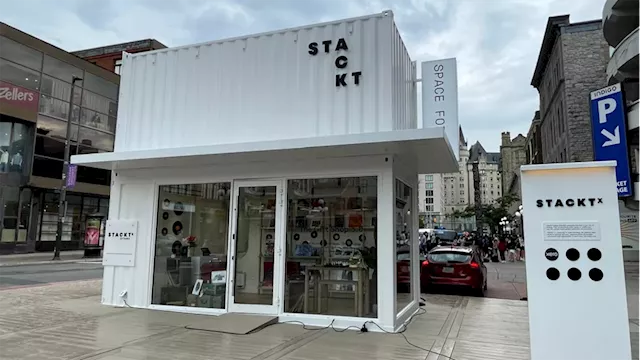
pixel 477 196
pixel 65 170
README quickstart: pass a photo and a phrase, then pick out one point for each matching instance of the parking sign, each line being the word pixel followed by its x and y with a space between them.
pixel 608 127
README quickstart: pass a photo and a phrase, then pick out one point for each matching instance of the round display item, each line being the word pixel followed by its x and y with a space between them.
pixel 269 236
pixel 553 274
pixel 362 238
pixel 573 254
pixel 296 237
pixel 164 231
pixel 165 215
pixel 177 228
pixel 323 242
pixel 178 208
pixel 348 242
pixel 314 234
pixel 166 203
pixel 574 274
pixel 594 254
pixel 596 274
pixel 551 254
pixel 336 237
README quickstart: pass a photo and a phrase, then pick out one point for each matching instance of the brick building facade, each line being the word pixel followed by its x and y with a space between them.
pixel 110 57
pixel 572 62
pixel 512 156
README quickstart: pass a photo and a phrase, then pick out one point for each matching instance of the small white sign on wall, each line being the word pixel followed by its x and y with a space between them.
pixel 120 243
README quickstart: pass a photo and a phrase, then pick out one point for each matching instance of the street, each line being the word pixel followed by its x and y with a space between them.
pixel 39 274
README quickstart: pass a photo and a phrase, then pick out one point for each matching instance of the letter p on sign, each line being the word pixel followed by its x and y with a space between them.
pixel 605 107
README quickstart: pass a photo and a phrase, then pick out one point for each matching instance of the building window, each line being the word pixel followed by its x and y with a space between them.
pixel 16 144
pixel 347 212
pixel 117 66
pixel 429 193
pixel 428 200
pixel 428 186
pixel 20 54
pixel 19 75
pixel 192 219
pixel 61 70
pixel 461 192
pixel 428 178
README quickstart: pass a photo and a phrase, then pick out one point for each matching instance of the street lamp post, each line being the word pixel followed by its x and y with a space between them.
pixel 520 214
pixel 65 170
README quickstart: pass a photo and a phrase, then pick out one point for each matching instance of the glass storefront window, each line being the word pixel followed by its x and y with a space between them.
pixel 94 176
pixel 20 54
pixel 99 103
pixel 55 128
pixel 19 75
pixel 49 168
pixel 101 86
pixel 97 120
pixel 5 142
pixel 404 245
pixel 60 89
pixel 331 246
pixel 191 245
pixel 52 148
pixel 20 148
pixel 58 108
pixel 9 201
pixel 61 70
pixel 95 139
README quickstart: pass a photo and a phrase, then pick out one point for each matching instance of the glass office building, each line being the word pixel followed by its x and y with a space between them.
pixel 35 93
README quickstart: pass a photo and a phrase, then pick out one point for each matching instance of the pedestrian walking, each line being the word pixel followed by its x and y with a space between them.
pixel 502 248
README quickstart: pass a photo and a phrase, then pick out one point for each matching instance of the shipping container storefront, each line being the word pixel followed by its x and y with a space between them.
pixel 289 191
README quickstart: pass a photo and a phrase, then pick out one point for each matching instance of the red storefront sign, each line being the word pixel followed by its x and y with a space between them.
pixel 18 97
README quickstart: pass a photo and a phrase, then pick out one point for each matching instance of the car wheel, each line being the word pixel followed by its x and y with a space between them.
pixel 485 285
pixel 479 292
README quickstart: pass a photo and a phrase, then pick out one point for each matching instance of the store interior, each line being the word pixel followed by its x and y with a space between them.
pixel 330 246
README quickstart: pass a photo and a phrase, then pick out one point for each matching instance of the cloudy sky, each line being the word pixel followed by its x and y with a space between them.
pixel 496 42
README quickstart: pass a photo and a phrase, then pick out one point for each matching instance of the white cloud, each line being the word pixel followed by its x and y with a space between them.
pixel 496 42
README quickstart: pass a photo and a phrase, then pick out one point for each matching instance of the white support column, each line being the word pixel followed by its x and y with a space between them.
pixel 386 270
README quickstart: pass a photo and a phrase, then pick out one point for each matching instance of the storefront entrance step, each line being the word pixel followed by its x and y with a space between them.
pixel 234 323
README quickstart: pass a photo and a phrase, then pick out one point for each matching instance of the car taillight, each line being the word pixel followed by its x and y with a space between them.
pixel 425 263
pixel 474 265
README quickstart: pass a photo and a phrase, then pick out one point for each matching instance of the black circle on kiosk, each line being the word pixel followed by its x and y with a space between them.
pixel 336 237
pixel 596 274
pixel 553 274
pixel 314 234
pixel 165 215
pixel 573 254
pixel 177 228
pixel 551 254
pixel 166 203
pixel 164 231
pixel 178 208
pixel 348 242
pixel 362 238
pixel 574 274
pixel 594 254
pixel 296 237
pixel 323 242
pixel 269 236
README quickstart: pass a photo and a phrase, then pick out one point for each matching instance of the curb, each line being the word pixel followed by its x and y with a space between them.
pixel 47 262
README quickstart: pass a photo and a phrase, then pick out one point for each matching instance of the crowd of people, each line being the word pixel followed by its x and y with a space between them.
pixel 500 248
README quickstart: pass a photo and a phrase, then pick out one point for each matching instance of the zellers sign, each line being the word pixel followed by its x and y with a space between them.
pixel 18 97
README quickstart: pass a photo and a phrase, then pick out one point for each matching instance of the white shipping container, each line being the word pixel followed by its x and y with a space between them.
pixel 280 85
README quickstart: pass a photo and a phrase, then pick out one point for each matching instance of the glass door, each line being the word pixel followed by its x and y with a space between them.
pixel 256 247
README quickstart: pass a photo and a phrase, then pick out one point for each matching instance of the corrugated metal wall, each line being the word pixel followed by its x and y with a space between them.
pixel 267 87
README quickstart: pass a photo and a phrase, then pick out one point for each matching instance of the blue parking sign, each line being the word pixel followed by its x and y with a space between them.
pixel 609 131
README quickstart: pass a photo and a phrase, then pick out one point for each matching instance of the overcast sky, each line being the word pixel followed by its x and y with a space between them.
pixel 496 42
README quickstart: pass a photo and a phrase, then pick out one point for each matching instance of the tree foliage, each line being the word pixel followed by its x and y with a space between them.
pixel 490 214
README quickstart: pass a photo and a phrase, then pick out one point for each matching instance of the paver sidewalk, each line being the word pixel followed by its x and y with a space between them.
pixel 43 258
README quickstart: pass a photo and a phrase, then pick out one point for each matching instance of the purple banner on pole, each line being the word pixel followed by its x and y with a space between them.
pixel 72 173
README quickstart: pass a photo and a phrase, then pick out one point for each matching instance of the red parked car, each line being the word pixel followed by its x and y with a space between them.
pixel 454 266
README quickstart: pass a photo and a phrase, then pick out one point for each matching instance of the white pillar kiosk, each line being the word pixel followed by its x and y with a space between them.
pixel 575 272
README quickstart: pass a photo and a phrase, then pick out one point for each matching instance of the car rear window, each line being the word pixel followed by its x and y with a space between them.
pixel 449 257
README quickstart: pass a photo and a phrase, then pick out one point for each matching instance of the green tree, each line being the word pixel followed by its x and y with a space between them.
pixel 491 214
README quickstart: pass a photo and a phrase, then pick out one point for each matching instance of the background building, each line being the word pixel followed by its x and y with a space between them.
pixel 571 63
pixel 110 57
pixel 456 185
pixel 35 80
pixel 513 154
pixel 533 145
pixel 489 186
pixel 430 200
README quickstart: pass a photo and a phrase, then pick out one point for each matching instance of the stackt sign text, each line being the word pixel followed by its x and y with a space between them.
pixel 341 62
